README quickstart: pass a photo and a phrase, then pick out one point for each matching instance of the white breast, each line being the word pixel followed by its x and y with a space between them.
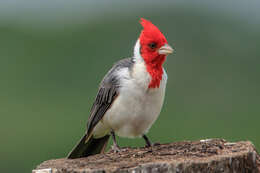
pixel 137 107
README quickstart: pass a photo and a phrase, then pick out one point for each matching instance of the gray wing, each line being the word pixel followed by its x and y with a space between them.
pixel 107 93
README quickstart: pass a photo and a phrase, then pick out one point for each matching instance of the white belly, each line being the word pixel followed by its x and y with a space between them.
pixel 134 113
pixel 136 108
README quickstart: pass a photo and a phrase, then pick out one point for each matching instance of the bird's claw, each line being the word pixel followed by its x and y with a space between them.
pixel 156 144
pixel 152 145
pixel 116 149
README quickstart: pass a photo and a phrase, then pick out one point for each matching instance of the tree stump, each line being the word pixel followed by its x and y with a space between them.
pixel 211 155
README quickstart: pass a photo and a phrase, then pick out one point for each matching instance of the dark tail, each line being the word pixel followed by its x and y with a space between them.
pixel 87 147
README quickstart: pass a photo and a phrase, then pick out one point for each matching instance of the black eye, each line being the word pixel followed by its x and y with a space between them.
pixel 152 45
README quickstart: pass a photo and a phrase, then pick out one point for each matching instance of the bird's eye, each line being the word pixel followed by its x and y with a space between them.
pixel 152 45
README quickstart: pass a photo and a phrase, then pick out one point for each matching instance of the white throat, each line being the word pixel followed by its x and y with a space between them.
pixel 137 56
pixel 139 72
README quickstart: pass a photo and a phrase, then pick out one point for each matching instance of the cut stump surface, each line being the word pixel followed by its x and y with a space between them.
pixel 211 155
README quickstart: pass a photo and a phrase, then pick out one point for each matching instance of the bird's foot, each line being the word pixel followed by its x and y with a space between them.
pixel 156 144
pixel 116 149
pixel 152 145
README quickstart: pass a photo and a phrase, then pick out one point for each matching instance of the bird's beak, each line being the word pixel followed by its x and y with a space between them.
pixel 165 50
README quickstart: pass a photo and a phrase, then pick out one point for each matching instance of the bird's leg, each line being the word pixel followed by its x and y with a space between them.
pixel 148 143
pixel 115 146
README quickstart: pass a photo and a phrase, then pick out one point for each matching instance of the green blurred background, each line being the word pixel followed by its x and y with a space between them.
pixel 53 55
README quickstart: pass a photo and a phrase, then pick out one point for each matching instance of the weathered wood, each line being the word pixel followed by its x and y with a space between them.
pixel 212 155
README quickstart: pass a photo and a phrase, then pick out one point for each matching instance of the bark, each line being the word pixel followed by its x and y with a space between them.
pixel 211 155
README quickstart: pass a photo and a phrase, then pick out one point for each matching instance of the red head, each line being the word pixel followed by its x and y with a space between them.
pixel 153 48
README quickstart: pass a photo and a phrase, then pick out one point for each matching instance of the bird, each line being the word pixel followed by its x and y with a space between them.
pixel 130 96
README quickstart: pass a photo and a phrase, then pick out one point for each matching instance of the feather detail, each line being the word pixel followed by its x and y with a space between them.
pixel 156 71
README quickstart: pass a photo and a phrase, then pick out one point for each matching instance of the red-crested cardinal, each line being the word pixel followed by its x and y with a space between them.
pixel 130 96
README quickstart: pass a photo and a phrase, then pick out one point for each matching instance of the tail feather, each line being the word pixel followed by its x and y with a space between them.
pixel 88 146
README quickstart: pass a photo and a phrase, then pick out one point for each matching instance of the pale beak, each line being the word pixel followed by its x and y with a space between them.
pixel 165 50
